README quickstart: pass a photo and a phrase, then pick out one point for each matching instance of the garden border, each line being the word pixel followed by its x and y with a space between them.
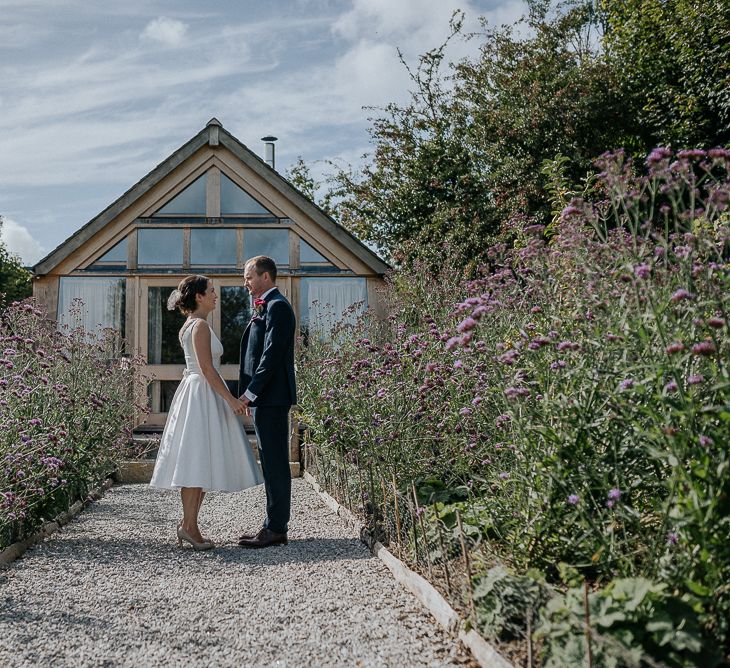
pixel 16 550
pixel 484 653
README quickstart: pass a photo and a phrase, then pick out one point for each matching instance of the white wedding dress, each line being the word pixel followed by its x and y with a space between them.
pixel 204 443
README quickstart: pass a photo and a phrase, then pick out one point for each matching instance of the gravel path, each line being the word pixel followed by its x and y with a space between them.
pixel 113 589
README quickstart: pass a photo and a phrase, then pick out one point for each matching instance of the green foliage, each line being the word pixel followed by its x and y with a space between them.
pixel 674 56
pixel 631 619
pixel 462 164
pixel 67 408
pixel 573 404
pixel 300 176
pixel 459 166
pixel 504 601
pixel 15 281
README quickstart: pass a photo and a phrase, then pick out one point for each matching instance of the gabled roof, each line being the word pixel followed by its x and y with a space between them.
pixel 213 135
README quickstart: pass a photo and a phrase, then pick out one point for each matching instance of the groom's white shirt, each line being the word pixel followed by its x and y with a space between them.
pixel 250 395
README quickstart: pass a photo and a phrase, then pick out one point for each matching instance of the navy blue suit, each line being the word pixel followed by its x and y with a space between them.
pixel 267 370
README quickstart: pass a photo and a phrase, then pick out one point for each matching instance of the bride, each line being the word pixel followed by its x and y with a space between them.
pixel 204 446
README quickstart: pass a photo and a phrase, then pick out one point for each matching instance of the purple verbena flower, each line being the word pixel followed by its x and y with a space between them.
pixel 570 211
pixel 705 440
pixel 691 154
pixel 534 229
pixel 659 154
pixel 626 384
pixel 466 325
pixel 573 499
pixel 642 270
pixel 705 348
pixel 501 421
pixel 674 347
pixel 452 343
pixel 718 153
pixel 509 357
pixel 514 392
pixel 679 295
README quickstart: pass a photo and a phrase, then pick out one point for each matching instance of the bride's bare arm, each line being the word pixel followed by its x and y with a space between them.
pixel 201 346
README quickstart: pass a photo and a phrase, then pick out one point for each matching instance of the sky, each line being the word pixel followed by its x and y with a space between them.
pixel 94 94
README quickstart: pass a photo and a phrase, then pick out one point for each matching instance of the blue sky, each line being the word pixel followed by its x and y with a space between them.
pixel 94 94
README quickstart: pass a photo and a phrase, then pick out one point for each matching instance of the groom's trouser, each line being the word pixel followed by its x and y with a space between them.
pixel 272 433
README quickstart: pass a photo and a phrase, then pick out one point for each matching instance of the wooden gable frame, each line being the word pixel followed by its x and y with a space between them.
pixel 212 148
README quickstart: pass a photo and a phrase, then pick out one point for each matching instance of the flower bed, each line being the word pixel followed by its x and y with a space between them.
pixel 573 405
pixel 66 409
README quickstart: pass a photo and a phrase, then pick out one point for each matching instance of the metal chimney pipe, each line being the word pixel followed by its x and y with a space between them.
pixel 269 153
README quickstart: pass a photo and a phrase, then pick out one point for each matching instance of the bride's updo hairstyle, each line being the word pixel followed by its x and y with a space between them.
pixel 183 297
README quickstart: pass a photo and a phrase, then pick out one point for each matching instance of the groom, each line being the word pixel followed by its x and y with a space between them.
pixel 267 388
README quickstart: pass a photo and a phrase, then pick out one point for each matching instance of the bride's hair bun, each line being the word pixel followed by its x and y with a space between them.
pixel 183 297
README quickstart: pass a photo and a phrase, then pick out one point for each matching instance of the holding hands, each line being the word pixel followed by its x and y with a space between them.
pixel 239 407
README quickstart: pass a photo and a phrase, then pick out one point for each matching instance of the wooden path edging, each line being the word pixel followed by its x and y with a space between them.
pixel 484 653
pixel 12 552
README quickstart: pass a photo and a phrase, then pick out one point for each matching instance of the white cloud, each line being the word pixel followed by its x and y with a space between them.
pixel 169 32
pixel 18 240
pixel 104 100
pixel 369 74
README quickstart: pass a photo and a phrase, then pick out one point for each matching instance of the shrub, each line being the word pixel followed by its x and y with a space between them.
pixel 578 393
pixel 66 409
pixel 631 618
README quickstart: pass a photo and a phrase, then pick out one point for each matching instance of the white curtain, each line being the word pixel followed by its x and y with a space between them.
pixel 91 303
pixel 154 325
pixel 333 301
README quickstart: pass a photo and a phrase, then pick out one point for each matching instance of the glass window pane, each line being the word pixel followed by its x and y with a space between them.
pixel 236 200
pixel 191 200
pixel 327 302
pixel 161 246
pixel 274 243
pixel 235 314
pixel 160 394
pixel 163 327
pixel 117 254
pixel 307 254
pixel 213 247
pixel 91 303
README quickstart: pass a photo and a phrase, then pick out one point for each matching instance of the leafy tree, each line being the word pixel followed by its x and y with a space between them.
pixel 459 166
pixel 300 176
pixel 674 60
pixel 15 281
pixel 480 149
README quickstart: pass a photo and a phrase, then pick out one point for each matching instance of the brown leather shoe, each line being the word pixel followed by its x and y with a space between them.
pixel 264 538
pixel 247 536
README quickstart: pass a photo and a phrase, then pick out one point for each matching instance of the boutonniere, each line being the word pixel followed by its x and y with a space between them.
pixel 259 307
